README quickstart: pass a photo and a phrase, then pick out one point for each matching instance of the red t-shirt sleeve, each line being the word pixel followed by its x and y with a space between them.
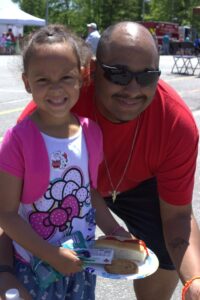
pixel 27 111
pixel 176 173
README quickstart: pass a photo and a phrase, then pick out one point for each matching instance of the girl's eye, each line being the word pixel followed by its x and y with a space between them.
pixel 67 77
pixel 42 80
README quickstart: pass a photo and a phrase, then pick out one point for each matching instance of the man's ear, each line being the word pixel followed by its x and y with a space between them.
pixel 26 83
pixel 83 72
pixel 93 65
pixel 90 68
pixel 79 83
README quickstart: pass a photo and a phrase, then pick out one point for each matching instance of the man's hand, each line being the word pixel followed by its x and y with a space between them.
pixel 9 281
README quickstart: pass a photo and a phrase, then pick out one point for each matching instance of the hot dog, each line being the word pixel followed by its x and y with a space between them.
pixel 127 254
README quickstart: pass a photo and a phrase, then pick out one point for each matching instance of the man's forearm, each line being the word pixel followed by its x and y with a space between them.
pixel 183 243
pixel 6 249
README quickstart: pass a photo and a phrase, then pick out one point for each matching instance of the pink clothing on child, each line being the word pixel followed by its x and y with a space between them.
pixel 23 154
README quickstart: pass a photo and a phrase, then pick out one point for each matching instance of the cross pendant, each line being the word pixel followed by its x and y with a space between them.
pixel 114 195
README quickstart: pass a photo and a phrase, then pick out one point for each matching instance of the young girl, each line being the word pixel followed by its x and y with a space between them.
pixel 48 170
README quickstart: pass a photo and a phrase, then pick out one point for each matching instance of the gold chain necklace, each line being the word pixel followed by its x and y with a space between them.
pixel 115 191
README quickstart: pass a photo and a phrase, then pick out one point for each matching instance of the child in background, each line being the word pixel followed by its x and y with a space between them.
pixel 48 170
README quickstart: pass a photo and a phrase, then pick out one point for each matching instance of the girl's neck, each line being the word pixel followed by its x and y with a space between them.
pixel 56 127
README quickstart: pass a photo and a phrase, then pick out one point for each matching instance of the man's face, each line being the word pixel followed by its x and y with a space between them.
pixel 121 103
pixel 90 29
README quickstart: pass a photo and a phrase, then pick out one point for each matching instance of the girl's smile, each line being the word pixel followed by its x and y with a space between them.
pixel 54 80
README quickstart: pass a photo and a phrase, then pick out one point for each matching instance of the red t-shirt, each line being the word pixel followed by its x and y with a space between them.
pixel 166 146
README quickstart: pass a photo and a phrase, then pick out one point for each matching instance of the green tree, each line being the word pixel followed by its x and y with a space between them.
pixel 77 13
pixel 179 11
pixel 33 7
pixel 113 11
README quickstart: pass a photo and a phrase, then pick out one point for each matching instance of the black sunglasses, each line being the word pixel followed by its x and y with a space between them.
pixel 119 74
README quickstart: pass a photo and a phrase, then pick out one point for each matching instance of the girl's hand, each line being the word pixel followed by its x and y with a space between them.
pixel 9 281
pixel 65 261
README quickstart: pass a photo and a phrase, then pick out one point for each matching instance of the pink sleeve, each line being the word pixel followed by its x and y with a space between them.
pixel 98 160
pixel 11 158
pixel 94 141
pixel 96 151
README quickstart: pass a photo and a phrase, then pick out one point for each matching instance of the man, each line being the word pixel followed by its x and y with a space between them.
pixel 150 150
pixel 197 45
pixel 166 44
pixel 93 37
pixel 11 35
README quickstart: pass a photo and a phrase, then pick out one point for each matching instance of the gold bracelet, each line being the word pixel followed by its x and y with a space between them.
pixel 187 285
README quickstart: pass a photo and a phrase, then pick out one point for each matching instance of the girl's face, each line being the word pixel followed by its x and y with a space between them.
pixel 53 78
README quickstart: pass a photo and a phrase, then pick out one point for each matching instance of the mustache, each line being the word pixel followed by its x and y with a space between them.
pixel 128 96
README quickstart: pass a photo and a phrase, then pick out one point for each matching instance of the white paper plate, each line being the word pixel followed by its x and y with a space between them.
pixel 145 269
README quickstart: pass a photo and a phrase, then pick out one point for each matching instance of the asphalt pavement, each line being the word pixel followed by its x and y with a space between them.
pixel 13 99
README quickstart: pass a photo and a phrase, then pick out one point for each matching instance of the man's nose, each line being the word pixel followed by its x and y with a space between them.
pixel 133 86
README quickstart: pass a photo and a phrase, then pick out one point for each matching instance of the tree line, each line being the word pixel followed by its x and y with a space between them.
pixel 77 13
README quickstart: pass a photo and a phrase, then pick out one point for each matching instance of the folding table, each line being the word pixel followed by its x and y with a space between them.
pixel 185 64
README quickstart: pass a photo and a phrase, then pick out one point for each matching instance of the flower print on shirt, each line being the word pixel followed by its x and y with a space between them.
pixel 68 207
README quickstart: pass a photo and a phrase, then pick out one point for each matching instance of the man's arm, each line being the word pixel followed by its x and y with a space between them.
pixel 182 237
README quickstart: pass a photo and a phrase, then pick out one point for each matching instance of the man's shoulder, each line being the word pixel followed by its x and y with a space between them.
pixel 84 106
pixel 95 34
pixel 164 88
pixel 170 108
pixel 29 109
pixel 170 99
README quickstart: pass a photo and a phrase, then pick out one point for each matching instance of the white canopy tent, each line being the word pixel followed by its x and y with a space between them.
pixel 12 17
pixel 11 14
pixel 4 3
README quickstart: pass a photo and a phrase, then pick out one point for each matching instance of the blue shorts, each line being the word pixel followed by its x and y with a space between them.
pixel 80 286
pixel 139 209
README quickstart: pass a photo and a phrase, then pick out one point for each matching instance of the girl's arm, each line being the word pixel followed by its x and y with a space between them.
pixel 105 219
pixel 63 260
pixel 9 280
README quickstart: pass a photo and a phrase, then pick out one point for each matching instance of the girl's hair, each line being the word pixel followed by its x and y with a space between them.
pixel 52 34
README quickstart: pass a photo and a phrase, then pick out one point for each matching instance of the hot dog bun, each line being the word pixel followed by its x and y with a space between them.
pixel 122 266
pixel 129 249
